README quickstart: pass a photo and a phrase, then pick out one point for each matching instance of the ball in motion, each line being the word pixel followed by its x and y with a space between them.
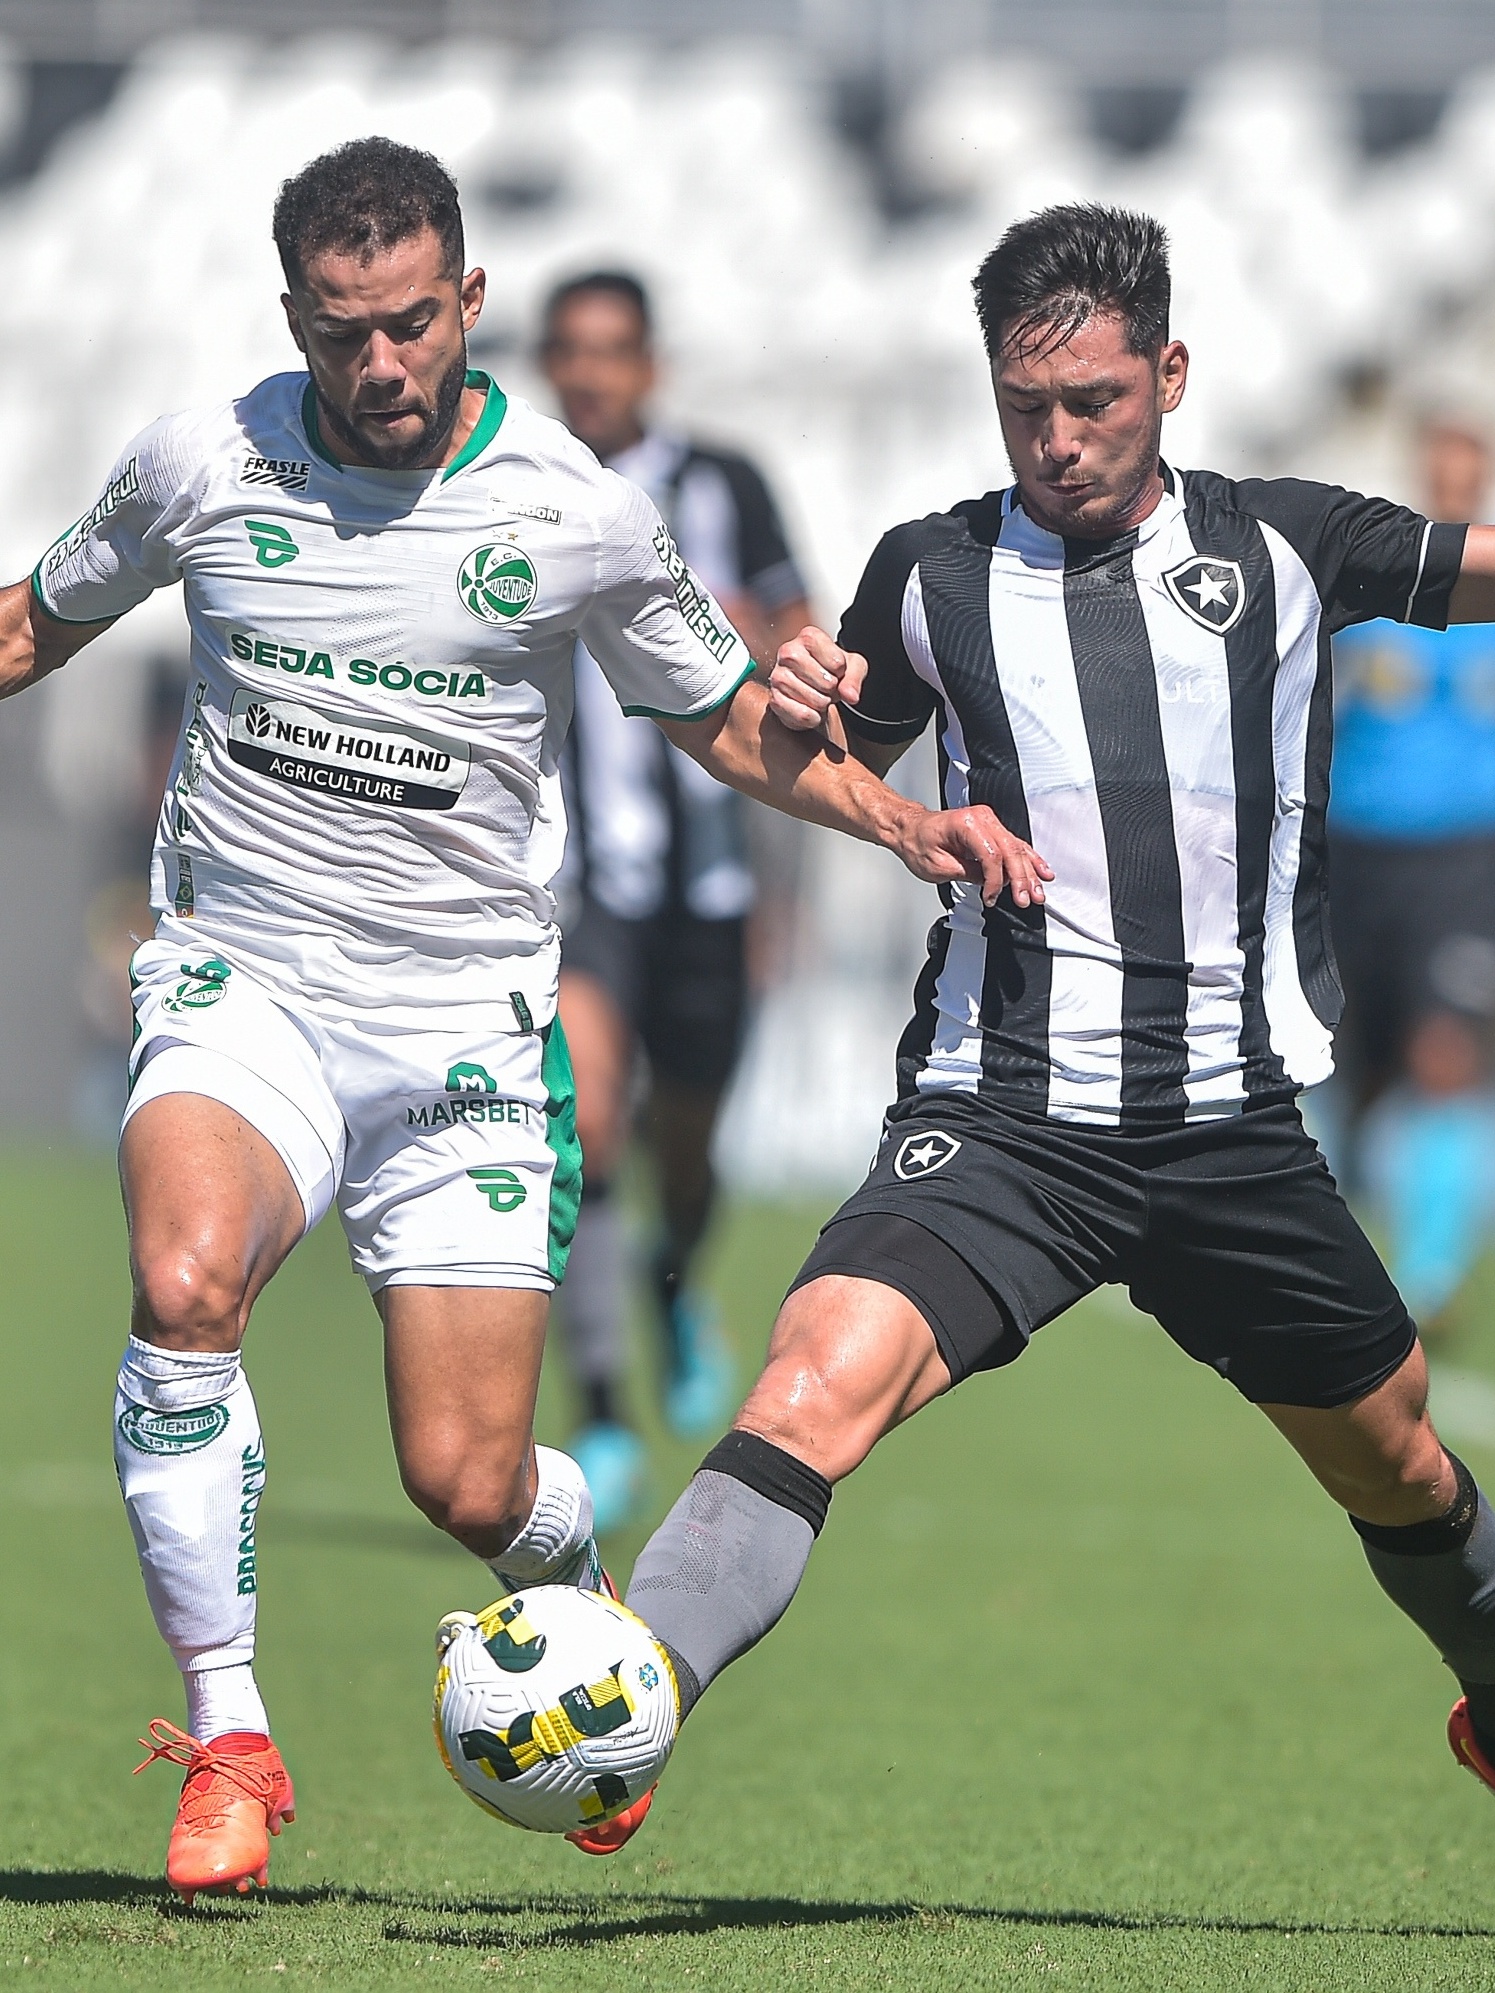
pixel 555 1708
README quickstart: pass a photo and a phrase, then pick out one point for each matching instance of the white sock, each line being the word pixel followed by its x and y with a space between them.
pixel 555 1546
pixel 223 1699
pixel 191 1466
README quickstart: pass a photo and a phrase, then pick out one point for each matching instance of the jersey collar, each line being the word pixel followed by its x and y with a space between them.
pixel 487 426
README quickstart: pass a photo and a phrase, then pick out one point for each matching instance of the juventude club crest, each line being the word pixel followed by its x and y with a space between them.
pixel 1209 589
pixel 497 583
pixel 201 986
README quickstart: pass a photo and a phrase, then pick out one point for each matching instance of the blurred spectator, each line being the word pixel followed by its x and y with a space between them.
pixel 656 894
pixel 1412 828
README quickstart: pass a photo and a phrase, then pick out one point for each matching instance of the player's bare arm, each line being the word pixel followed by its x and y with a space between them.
pixel 744 745
pixel 1473 599
pixel 32 643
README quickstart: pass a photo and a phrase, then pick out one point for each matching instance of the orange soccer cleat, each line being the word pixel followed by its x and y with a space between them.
pixel 1465 1745
pixel 234 1797
pixel 609 1835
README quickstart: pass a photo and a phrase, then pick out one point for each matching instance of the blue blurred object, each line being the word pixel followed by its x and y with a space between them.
pixel 698 1395
pixel 1414 731
pixel 1430 1164
pixel 613 1459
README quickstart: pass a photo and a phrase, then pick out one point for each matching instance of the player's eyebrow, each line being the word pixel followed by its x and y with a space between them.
pixel 332 321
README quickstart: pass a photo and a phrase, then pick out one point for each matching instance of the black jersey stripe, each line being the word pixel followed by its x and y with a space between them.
pixel 1016 975
pixel 917 1042
pixel 1117 681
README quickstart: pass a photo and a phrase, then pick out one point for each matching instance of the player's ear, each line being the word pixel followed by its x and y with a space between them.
pixel 1173 375
pixel 293 320
pixel 474 290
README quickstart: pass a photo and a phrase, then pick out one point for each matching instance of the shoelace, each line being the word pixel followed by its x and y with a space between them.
pixel 164 1740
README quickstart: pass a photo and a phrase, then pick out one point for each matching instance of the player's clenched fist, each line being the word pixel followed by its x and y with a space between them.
pixel 974 844
pixel 810 675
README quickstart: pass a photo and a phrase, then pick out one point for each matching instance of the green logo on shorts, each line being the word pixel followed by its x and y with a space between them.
pixel 273 545
pixel 497 583
pixel 172 1432
pixel 204 985
pixel 502 1188
pixel 469 1077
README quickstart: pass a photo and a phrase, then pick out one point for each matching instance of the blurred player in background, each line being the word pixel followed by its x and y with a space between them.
pixel 656 893
pixel 1412 887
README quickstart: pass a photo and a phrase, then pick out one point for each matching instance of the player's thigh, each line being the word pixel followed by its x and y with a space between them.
pixel 230 1147
pixel 462 1368
pixel 849 1360
pixel 212 1213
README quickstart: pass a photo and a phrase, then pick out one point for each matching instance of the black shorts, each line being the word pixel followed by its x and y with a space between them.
pixel 1414 931
pixel 680 982
pixel 1230 1232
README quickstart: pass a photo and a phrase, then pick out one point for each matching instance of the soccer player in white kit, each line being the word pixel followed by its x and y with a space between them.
pixel 350 995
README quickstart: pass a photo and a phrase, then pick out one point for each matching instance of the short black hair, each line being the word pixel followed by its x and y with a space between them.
pixel 1056 269
pixel 365 196
pixel 605 283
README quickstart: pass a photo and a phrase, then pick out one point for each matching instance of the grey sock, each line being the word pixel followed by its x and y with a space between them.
pixel 727 1559
pixel 594 1293
pixel 1442 1575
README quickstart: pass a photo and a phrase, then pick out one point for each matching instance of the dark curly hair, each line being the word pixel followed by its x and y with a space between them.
pixel 365 196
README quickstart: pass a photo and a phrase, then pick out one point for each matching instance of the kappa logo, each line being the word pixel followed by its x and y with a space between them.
pixel 172 1432
pixel 273 545
pixel 497 583
pixel 1210 590
pixel 501 1187
pixel 202 986
pixel 922 1155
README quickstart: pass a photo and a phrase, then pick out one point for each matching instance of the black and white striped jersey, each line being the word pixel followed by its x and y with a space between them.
pixel 1153 713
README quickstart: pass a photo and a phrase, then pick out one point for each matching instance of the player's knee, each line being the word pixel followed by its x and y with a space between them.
pixel 184 1299
pixel 1404 1478
pixel 483 1505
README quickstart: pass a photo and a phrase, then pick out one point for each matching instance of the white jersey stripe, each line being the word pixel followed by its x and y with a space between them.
pixel 1193 682
pixel 1303 1044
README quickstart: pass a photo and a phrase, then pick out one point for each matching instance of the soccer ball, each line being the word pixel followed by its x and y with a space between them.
pixel 555 1708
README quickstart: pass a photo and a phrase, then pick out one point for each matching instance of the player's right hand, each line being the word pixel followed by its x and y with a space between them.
pixel 811 675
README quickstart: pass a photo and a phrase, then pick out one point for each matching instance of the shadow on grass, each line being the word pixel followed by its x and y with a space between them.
pixel 538 1923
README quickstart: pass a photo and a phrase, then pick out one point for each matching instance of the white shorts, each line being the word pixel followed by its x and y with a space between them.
pixel 452 1154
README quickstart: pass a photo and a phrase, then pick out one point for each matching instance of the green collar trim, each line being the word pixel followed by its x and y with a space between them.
pixel 487 426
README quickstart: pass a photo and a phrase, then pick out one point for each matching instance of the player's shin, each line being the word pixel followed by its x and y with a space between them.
pixel 191 1465
pixel 556 1545
pixel 1442 1575
pixel 720 1570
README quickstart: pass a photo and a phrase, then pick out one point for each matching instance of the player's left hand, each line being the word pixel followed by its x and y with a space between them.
pixel 974 844
pixel 810 677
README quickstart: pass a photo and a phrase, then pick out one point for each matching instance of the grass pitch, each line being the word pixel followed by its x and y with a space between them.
pixel 1087 1687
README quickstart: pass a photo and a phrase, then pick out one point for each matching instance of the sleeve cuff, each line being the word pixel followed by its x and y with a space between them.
pixel 858 722
pixel 700 712
pixel 1440 570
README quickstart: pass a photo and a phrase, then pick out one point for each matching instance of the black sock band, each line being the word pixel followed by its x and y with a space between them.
pixel 774 1474
pixel 1445 1533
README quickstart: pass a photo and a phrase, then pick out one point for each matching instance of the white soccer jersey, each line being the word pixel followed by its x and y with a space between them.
pixel 365 796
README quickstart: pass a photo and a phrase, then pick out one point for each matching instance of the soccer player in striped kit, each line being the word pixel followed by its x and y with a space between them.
pixel 1129 665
